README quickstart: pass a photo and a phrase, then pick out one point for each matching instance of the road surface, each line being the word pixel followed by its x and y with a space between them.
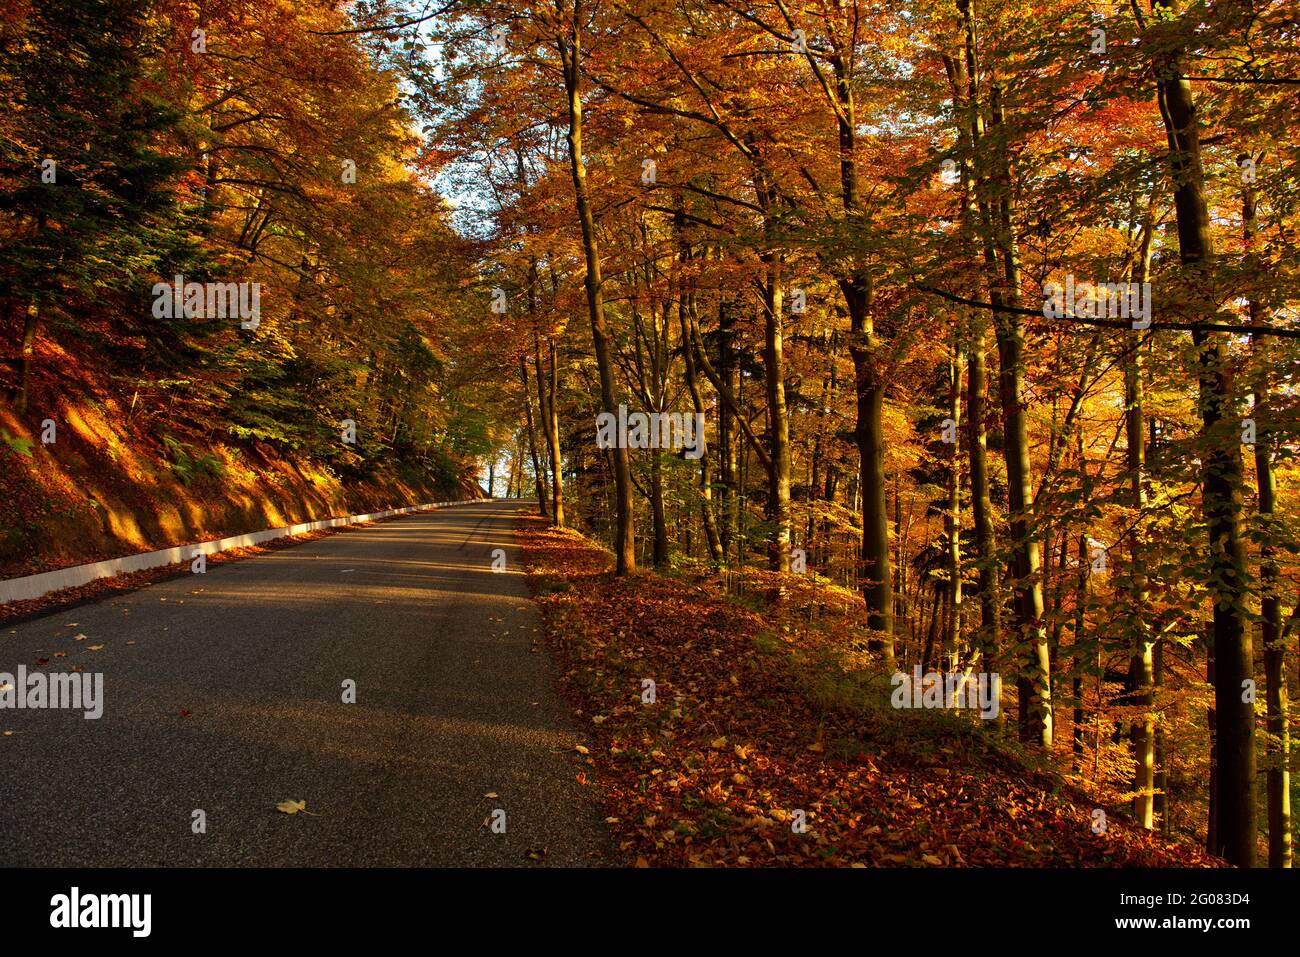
pixel 224 693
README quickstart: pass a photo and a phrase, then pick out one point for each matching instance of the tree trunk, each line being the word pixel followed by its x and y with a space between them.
pixel 963 77
pixel 877 589
pixel 1143 664
pixel 570 49
pixel 658 517
pixel 1278 749
pixel 778 504
pixel 697 403
pixel 1036 688
pixel 878 585
pixel 982 505
pixel 728 446
pixel 547 387
pixel 952 520
pixel 538 474
pixel 31 326
pixel 1221 482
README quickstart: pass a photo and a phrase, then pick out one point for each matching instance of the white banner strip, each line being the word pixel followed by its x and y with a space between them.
pixel 36 586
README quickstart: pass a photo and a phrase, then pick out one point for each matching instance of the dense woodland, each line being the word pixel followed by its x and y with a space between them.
pixel 828 228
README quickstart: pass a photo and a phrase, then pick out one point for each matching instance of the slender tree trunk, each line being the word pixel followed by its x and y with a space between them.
pixel 1211 720
pixel 778 505
pixel 727 438
pixel 952 520
pixel 856 288
pixel 1077 662
pixel 982 505
pixel 1163 803
pixel 877 588
pixel 1277 775
pixel 963 76
pixel 570 50
pixel 547 387
pixel 1143 664
pixel 1036 688
pixel 538 473
pixel 927 654
pixel 658 516
pixel 31 327
pixel 697 403
pixel 1221 480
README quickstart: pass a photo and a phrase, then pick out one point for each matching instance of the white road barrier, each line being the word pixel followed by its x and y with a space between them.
pixel 36 586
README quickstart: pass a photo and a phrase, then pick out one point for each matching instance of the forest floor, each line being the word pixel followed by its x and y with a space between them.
pixel 764 718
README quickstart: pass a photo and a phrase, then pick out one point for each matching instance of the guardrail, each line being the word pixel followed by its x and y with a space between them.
pixel 37 586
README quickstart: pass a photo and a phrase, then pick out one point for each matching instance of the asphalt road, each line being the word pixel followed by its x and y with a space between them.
pixel 223 692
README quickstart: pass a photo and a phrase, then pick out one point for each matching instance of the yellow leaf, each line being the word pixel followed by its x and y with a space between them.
pixel 289 806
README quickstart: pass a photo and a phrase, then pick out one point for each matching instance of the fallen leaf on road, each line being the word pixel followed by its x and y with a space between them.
pixel 536 853
pixel 292 807
pixel 94 647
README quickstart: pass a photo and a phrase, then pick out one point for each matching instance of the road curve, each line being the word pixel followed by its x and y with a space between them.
pixel 224 693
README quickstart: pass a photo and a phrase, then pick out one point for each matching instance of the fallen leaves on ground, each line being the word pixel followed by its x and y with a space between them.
pixel 733 765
